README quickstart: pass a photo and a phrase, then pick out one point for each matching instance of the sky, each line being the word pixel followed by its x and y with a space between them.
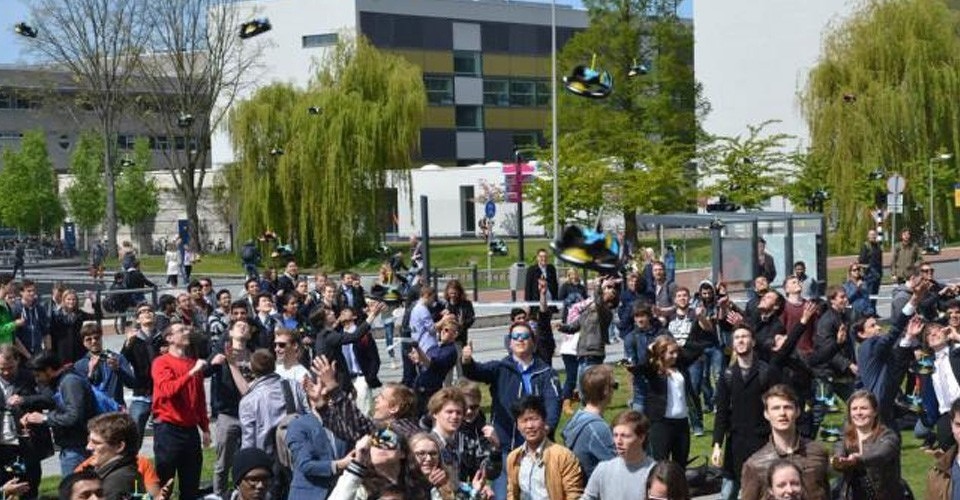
pixel 14 11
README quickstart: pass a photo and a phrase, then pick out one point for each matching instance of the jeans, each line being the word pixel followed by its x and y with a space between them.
pixel 570 371
pixel 730 489
pixel 70 459
pixel 696 378
pixel 388 337
pixel 178 453
pixel 250 270
pixel 713 364
pixel 638 403
pixel 140 413
pixel 500 483
pixel 226 440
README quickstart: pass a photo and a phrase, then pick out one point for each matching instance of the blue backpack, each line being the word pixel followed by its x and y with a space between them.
pixel 102 402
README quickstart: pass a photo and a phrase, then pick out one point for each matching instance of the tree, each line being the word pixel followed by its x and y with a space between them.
pixel 631 151
pixel 98 42
pixel 324 192
pixel 29 198
pixel 86 196
pixel 136 194
pixel 198 68
pixel 883 98
pixel 749 170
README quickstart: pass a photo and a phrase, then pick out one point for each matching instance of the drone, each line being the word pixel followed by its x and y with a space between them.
pixel 831 434
pixel 588 248
pixel 256 27
pixel 24 29
pixel 589 82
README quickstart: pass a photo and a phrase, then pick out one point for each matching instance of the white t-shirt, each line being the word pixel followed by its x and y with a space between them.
pixel 172 258
pixel 676 396
pixel 294 373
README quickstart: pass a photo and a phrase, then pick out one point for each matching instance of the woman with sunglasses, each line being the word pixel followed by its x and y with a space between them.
pixel 381 461
pixel 426 451
pixel 868 456
pixel 434 364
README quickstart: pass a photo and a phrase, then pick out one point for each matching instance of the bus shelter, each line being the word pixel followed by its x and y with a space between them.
pixel 790 237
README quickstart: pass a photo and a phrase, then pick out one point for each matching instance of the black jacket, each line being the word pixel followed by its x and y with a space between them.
pixel 74 406
pixel 141 353
pixel 330 341
pixel 40 443
pixel 739 419
pixel 830 358
pixel 531 293
pixel 120 478
pixel 359 300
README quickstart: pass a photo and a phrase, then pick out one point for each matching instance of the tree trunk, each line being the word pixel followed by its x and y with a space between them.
pixel 190 201
pixel 630 228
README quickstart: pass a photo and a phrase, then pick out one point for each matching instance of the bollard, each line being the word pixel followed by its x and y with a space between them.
pixel 475 274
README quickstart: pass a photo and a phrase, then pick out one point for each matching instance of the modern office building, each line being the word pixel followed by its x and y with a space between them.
pixel 486 63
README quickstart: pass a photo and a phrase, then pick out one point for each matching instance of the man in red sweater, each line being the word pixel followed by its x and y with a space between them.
pixel 179 407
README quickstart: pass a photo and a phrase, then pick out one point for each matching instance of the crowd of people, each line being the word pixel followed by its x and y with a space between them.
pixel 295 407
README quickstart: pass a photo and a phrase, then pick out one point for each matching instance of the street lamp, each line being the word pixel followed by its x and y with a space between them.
pixel 943 157
pixel 553 92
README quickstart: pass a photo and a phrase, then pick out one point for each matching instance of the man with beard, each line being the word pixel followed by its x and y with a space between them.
pixel 739 419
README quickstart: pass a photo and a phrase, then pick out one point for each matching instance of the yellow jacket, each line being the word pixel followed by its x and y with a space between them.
pixel 562 473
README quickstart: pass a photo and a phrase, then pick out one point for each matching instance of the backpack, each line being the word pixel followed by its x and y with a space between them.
pixel 102 402
pixel 248 254
pixel 283 453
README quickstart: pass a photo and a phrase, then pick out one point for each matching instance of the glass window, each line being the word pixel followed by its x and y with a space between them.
pixel 180 142
pixel 6 100
pixel 321 40
pixel 439 90
pixel 543 93
pixel 467 63
pixel 496 93
pixel 521 93
pixel 469 118
pixel 525 141
pixel 161 143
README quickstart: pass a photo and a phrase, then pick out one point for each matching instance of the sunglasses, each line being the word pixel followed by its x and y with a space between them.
pixel 520 336
pixel 385 439
pixel 281 345
pixel 927 270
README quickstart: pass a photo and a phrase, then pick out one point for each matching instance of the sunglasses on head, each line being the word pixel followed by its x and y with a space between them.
pixel 385 439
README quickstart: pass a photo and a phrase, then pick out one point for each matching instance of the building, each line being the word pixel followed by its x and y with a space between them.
pixel 34 98
pixel 486 64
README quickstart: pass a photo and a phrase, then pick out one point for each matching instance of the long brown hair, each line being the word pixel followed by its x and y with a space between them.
pixel 850 439
pixel 658 349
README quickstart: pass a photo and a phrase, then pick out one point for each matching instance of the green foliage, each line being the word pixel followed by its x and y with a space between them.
pixel 136 194
pixel 323 193
pixel 883 96
pixel 747 170
pixel 28 187
pixel 87 196
pixel 630 151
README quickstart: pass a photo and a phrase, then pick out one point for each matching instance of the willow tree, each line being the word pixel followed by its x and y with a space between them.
pixel 884 97
pixel 317 178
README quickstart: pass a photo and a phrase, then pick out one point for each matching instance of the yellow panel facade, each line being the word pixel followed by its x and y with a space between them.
pixel 430 61
pixel 515 118
pixel 508 65
pixel 439 117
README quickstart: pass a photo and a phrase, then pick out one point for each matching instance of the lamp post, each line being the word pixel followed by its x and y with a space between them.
pixel 553 94
pixel 941 157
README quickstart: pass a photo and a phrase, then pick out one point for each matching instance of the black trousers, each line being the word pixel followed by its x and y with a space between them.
pixel 9 455
pixel 669 439
pixel 178 453
pixel 944 433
